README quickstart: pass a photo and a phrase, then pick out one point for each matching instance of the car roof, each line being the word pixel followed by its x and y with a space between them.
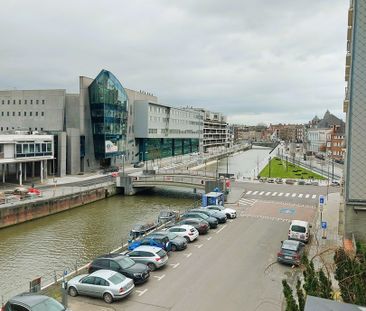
pixel 29 299
pixel 299 223
pixel 104 273
pixel 111 255
pixel 187 227
pixel 192 219
pixel 290 244
pixel 147 248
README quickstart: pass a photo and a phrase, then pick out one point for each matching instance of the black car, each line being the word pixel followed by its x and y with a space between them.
pixel 211 221
pixel 122 264
pixel 220 216
pixel 201 225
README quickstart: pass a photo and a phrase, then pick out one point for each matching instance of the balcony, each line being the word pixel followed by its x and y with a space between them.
pixel 348 59
pixel 345 105
pixel 349 33
pixel 350 17
pixel 346 74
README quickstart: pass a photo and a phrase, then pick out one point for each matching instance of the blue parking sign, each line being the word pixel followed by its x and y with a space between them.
pixel 324 225
pixel 321 199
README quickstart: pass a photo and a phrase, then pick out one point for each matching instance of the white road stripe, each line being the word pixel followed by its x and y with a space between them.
pixel 188 255
pixel 300 195
pixel 308 195
pixel 159 277
pixel 287 194
pixel 198 245
pixel 274 194
pixel 249 192
pixel 268 193
pixel 314 196
pixel 223 227
pixel 294 195
pixel 141 292
pixel 260 193
pixel 255 192
pixel 174 265
pixel 209 238
pixel 280 194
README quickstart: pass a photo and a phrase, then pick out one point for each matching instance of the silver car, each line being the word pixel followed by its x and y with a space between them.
pixel 106 284
pixel 152 256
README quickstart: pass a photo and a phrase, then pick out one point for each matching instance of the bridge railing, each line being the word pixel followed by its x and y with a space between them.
pixel 185 172
pixel 193 180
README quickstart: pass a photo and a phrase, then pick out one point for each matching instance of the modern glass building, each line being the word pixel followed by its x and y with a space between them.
pixel 109 112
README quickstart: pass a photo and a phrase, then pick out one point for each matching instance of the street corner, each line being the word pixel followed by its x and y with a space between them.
pixel 281 211
pixel 76 305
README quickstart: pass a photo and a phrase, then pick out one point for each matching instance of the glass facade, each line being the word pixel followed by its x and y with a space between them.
pixel 109 112
pixel 157 148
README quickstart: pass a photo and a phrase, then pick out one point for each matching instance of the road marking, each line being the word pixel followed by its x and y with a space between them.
pixel 261 193
pixel 249 192
pixel 174 265
pixel 268 193
pixel 199 245
pixel 255 192
pixel 294 195
pixel 300 195
pixel 308 195
pixel 230 220
pixel 223 227
pixel 274 194
pixel 314 196
pixel 209 238
pixel 141 292
pixel 188 255
pixel 280 194
pixel 159 277
pixel 287 194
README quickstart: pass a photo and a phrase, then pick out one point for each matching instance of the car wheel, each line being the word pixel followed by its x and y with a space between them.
pixel 174 247
pixel 228 216
pixel 151 266
pixel 73 292
pixel 187 239
pixel 108 298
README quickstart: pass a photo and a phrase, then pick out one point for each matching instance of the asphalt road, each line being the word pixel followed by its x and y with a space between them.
pixel 228 269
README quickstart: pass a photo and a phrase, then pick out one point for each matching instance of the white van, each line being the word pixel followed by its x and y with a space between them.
pixel 299 230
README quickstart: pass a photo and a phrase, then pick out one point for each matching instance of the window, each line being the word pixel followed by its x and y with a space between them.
pixel 36 113
pixel 30 113
pixel 2 113
pixel 13 113
pixel 8 114
pixel 8 101
pixel 25 102
pixel 42 101
pixel 25 113
pixel 37 101
pixel 42 113
pixel 31 101
pixel 13 101
pixel 20 101
pixel 19 113
pixel 89 280
pixel 114 266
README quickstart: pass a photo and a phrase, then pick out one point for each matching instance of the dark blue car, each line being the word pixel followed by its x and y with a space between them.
pixel 162 242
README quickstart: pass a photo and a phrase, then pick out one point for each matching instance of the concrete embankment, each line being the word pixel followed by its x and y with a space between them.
pixel 20 212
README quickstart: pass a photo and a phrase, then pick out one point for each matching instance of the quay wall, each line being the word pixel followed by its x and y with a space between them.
pixel 41 207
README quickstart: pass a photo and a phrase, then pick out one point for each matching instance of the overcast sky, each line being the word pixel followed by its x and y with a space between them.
pixel 255 61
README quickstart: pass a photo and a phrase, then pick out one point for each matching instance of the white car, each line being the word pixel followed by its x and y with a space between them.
pixel 188 232
pixel 230 213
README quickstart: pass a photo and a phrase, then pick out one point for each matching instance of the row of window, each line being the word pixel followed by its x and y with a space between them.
pixel 180 121
pixel 184 114
pixel 173 131
pixel 3 128
pixel 30 113
pixel 25 101
pixel 33 149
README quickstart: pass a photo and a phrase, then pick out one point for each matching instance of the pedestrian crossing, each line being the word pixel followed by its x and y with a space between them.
pixel 247 202
pixel 280 194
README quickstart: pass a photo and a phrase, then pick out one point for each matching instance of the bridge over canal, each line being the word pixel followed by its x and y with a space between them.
pixel 205 181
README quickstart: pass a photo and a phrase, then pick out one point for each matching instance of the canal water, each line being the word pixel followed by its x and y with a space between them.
pixel 59 242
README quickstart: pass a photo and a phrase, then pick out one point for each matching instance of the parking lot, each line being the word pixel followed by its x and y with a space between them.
pixel 233 267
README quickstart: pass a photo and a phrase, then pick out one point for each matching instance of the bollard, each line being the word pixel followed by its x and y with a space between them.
pixel 64 290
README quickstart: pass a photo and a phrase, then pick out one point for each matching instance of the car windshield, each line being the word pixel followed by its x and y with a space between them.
pixel 117 278
pixel 125 262
pixel 289 245
pixel 161 253
pixel 296 228
pixel 48 305
pixel 201 215
pixel 171 235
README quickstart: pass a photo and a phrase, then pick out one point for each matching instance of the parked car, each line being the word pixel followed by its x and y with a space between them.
pixel 201 225
pixel 230 213
pixel 219 215
pixel 301 182
pixel 291 252
pixel 211 221
pixel 315 183
pixel 308 183
pixel 122 264
pixel 335 183
pixel 153 257
pixel 279 181
pixel 299 230
pixel 168 215
pixel 188 232
pixel 271 180
pixel 290 181
pixel 110 169
pixel 177 242
pixel 138 164
pixel 106 284
pixel 33 302
pixel 158 241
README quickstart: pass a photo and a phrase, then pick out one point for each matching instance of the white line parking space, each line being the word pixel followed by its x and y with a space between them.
pixel 188 255
pixel 199 245
pixel 222 228
pixel 141 292
pixel 174 265
pixel 209 238
pixel 159 277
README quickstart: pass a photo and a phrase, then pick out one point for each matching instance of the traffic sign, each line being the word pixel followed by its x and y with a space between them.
pixel 324 225
pixel 321 200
